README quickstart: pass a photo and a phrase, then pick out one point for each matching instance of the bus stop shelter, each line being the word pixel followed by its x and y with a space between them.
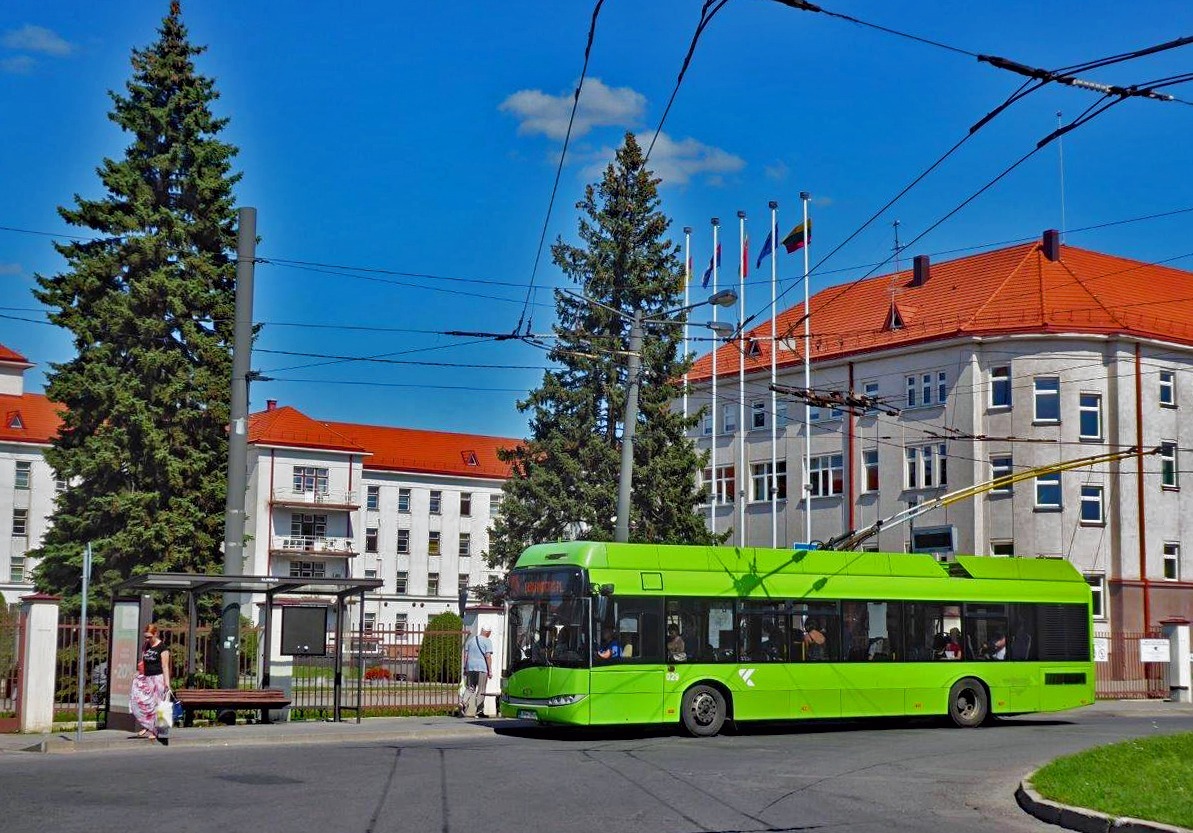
pixel 337 589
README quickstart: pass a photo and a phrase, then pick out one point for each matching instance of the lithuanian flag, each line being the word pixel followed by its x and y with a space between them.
pixel 799 237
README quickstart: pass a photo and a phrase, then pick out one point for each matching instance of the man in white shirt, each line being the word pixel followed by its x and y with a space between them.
pixel 478 667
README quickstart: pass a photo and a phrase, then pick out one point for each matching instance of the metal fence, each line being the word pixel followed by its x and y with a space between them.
pixel 396 681
pixel 71 634
pixel 1124 676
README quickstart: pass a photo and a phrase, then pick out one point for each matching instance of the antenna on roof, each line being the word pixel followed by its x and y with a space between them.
pixel 1060 150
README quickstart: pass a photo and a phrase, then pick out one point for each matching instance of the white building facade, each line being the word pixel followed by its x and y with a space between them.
pixel 996 364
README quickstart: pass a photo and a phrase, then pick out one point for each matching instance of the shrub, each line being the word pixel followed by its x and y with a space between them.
pixel 376 672
pixel 443 641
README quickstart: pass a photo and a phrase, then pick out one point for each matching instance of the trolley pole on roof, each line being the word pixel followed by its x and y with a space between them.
pixel 234 512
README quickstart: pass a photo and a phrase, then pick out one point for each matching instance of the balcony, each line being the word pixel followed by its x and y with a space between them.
pixel 334 499
pixel 311 545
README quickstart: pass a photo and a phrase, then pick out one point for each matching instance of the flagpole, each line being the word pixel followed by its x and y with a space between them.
pixel 774 410
pixel 804 197
pixel 739 481
pixel 687 285
pixel 712 507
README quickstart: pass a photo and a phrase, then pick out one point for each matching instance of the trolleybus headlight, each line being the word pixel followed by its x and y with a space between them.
pixel 565 699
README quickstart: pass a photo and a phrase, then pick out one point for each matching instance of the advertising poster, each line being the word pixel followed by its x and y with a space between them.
pixel 126 641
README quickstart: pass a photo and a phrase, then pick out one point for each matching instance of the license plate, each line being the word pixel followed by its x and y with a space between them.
pixel 527 714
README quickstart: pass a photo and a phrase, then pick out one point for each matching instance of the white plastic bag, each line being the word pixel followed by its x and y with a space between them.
pixel 164 716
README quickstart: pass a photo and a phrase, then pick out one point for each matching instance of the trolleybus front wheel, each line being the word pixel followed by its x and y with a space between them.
pixel 969 705
pixel 703 711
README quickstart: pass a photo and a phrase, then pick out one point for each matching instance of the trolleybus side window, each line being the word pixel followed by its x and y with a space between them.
pixel 1022 644
pixel 815 632
pixel 762 631
pixel 987 631
pixel 636 626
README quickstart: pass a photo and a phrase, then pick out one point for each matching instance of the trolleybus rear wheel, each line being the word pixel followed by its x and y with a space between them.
pixel 703 711
pixel 969 704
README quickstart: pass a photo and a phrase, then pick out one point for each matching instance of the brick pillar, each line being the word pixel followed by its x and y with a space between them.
pixel 39 659
pixel 1180 676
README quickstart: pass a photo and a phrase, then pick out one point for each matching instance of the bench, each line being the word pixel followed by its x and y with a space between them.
pixel 220 699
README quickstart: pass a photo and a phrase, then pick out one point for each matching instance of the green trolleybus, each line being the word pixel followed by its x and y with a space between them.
pixel 603 634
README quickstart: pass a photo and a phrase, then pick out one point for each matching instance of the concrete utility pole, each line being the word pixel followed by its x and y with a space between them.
pixel 238 449
pixel 621 531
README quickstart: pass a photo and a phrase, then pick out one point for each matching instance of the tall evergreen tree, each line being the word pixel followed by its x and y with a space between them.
pixel 150 307
pixel 564 478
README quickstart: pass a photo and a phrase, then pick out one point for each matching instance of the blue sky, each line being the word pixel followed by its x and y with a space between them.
pixel 423 138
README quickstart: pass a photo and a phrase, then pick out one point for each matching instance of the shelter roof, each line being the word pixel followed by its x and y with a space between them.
pixel 197 583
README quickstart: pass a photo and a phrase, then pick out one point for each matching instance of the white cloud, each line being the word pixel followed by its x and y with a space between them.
pixel 678 162
pixel 10 269
pixel 31 38
pixel 17 65
pixel 600 105
pixel 778 171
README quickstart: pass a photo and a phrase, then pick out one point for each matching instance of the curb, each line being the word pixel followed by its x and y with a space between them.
pixel 1079 818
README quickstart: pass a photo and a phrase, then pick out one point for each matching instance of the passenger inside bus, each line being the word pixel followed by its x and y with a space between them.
pixel 609 647
pixel 676 650
pixel 952 645
pixel 813 639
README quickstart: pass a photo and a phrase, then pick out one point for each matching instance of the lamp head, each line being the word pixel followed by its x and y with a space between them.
pixel 724 298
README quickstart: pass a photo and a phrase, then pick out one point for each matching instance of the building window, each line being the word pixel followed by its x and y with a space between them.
pixel 310 479
pixel 402 583
pixel 403 542
pixel 1047 399
pixel 723 488
pixel 401 623
pixel 706 423
pixel 1097 587
pixel 436 504
pixel 308 569
pixel 912 398
pixel 404 501
pixel 1048 491
pixel 432 584
pixel 942 387
pixel 433 538
pixel 1167 389
pixel 1090 413
pixel 60 483
pixel 729 418
pixel 1091 505
pixel 827 475
pixel 373 498
pixel 1000 387
pixel 1004 547
pixel 1001 466
pixel 1168 471
pixel 870 394
pixel 370 623
pixel 308 527
pixel 870 470
pixel 494 505
pixel 926 466
pixel 465 504
pixel 757 414
pixel 1172 561
pixel 462 585
pixel 24 467
pixel 780 415
pixel 926 389
pixel 761 477
pixel 371 539
pixel 16 568
pixel 465 548
pixel 370 574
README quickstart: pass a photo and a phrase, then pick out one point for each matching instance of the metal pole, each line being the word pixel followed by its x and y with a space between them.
pixel 242 344
pixel 338 678
pixel 774 402
pixel 687 285
pixel 804 196
pixel 360 658
pixel 715 483
pixel 621 532
pixel 83 642
pixel 740 481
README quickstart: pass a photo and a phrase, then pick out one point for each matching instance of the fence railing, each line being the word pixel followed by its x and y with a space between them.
pixel 10 668
pixel 1124 676
pixel 406 670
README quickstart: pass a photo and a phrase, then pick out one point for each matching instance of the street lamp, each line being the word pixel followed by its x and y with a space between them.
pixel 621 530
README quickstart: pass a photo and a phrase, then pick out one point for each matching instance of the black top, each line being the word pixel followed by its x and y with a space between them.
pixel 152 657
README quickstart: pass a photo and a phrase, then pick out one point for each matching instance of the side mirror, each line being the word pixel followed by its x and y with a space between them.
pixel 606 589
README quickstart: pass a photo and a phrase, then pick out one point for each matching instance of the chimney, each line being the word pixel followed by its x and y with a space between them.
pixel 1052 245
pixel 271 404
pixel 920 270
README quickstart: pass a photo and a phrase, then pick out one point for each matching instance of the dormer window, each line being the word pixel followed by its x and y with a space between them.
pixel 14 421
pixel 470 458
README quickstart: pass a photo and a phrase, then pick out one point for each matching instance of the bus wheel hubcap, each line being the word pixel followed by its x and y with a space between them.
pixel 704 708
pixel 965 704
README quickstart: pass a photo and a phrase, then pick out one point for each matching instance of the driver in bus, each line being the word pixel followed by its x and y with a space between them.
pixel 609 647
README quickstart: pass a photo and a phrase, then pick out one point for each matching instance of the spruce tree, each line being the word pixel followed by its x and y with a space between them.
pixel 564 478
pixel 149 305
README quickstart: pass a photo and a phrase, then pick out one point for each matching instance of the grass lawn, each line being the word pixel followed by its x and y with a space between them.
pixel 1150 778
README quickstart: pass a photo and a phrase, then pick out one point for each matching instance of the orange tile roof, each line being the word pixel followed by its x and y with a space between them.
pixel 36 416
pixel 290 427
pixel 428 452
pixel 1012 290
pixel 12 356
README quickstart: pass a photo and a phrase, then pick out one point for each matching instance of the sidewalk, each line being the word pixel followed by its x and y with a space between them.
pixel 257 734
pixel 374 729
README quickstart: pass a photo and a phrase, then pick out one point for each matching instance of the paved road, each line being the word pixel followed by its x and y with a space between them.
pixel 889 776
